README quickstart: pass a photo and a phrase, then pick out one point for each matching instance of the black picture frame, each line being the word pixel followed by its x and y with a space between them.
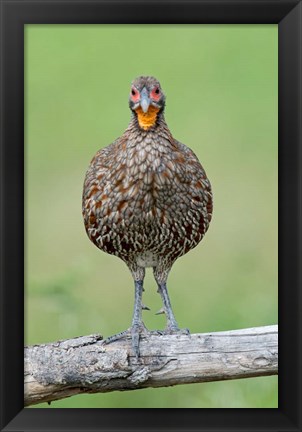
pixel 14 15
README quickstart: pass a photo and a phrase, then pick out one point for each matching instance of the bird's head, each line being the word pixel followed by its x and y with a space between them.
pixel 146 100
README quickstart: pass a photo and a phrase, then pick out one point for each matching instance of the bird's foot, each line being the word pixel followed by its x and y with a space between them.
pixel 134 332
pixel 172 329
pixel 122 335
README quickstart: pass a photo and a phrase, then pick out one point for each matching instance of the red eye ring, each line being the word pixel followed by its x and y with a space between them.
pixel 134 95
pixel 156 94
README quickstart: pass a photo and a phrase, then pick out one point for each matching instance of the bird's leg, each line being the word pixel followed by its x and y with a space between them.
pixel 137 326
pixel 172 325
pixel 161 278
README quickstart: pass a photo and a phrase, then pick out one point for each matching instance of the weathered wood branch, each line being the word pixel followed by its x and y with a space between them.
pixel 87 365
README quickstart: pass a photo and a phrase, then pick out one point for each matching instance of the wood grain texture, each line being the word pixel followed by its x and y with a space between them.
pixel 86 365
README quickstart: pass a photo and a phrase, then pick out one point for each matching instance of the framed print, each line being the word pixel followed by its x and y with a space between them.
pixel 225 79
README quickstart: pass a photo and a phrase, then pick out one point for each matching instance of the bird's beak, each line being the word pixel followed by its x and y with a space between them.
pixel 145 100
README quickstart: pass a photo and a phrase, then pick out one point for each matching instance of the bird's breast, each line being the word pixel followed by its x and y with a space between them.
pixel 144 202
pixel 143 176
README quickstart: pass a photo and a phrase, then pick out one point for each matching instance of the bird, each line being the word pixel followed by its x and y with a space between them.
pixel 147 200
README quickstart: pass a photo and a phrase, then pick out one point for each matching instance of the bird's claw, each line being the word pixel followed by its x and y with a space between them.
pixel 173 329
pixel 161 311
pixel 134 332
pixel 118 336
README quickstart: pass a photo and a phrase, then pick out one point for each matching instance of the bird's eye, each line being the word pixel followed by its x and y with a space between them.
pixel 134 95
pixel 155 94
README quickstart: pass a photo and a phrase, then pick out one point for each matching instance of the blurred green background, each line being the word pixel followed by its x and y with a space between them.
pixel 221 87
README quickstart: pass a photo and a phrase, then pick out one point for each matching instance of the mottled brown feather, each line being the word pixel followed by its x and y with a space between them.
pixel 146 192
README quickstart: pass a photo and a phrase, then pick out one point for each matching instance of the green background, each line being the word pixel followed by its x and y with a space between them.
pixel 221 88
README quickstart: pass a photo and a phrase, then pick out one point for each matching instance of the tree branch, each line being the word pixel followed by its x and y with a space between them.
pixel 87 365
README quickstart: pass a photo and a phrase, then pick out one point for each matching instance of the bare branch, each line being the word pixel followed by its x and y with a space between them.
pixel 87 365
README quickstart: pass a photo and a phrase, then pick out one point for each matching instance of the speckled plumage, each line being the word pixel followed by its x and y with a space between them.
pixel 146 197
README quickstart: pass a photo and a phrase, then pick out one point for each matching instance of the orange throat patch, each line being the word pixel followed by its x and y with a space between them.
pixel 148 119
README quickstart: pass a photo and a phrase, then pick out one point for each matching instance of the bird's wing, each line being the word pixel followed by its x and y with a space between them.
pixel 196 178
pixel 96 183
